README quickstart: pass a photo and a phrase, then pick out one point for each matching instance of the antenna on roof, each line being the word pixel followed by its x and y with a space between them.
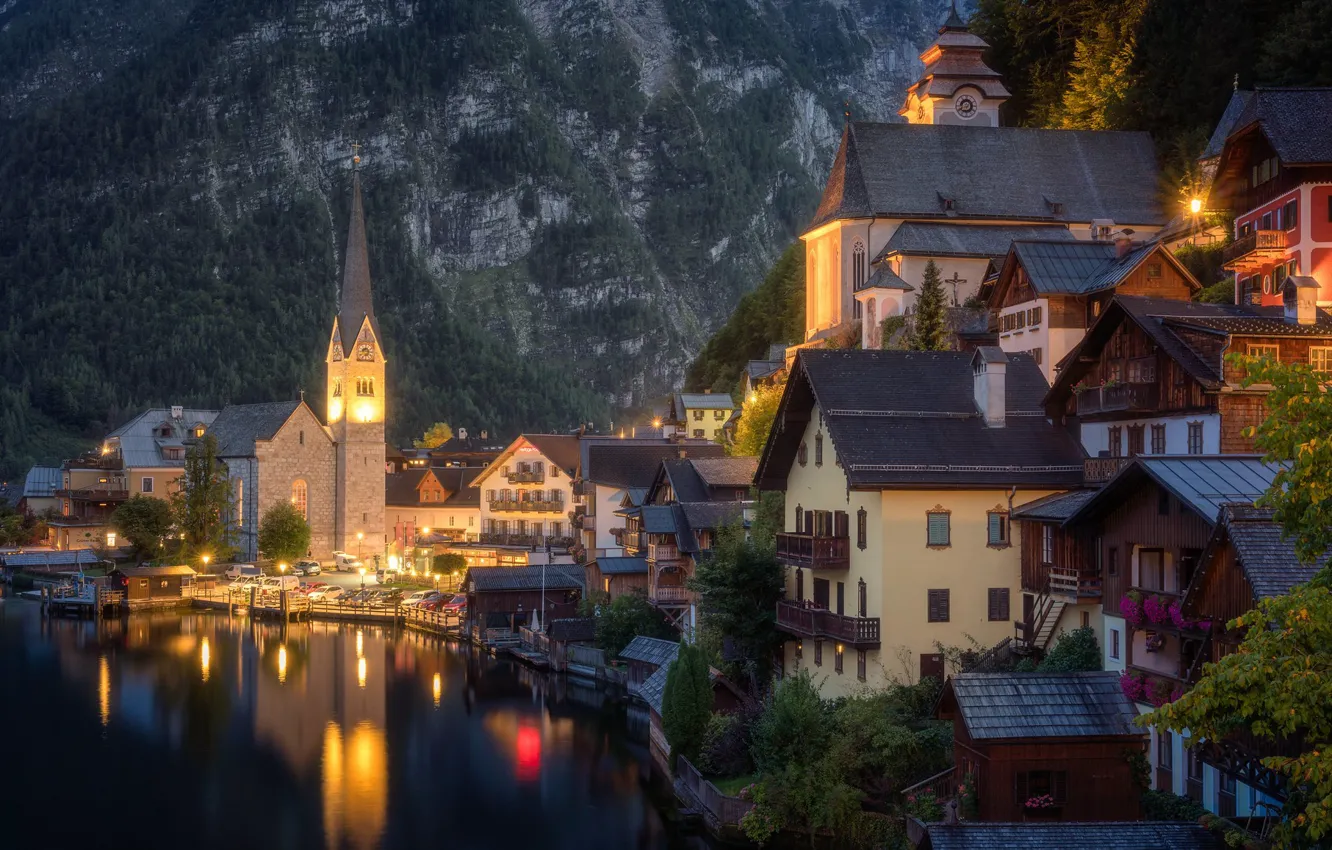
pixel 1236 84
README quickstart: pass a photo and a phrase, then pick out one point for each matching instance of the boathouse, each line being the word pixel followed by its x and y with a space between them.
pixel 511 594
pixel 153 585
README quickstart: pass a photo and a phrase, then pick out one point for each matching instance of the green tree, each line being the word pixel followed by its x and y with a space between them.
pixel 449 563
pixel 794 726
pixel 201 508
pixel 627 617
pixel 145 522
pixel 1073 652
pixel 739 587
pixel 1099 80
pixel 1295 433
pixel 756 418
pixel 930 331
pixel 284 535
pixel 436 435
pixel 686 703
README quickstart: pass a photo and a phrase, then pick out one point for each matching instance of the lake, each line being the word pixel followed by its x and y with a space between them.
pixel 202 731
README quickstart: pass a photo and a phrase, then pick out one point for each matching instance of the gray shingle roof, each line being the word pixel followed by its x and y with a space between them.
pixel 725 471
pixel 939 239
pixel 355 304
pixel 403 488
pixel 1141 835
pixel 713 515
pixel 63 558
pixel 41 482
pixel 570 629
pixel 1077 267
pixel 659 519
pixel 908 170
pixel 559 449
pixel 998 706
pixel 238 426
pixel 910 418
pixel 1059 506
pixel 883 277
pixel 152 572
pixel 492 579
pixel 1224 127
pixel 1268 559
pixel 653 688
pixel 1294 120
pixel 140 447
pixel 650 650
pixel 705 401
pixel 621 566
pixel 634 463
pixel 686 484
pixel 757 370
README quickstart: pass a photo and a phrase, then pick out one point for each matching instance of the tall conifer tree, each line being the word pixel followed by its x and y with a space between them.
pixel 931 317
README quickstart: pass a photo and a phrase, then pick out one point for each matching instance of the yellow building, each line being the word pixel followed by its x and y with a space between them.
pixel 702 415
pixel 899 470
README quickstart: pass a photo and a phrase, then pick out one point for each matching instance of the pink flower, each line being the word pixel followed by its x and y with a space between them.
pixel 1131 607
pixel 1155 607
pixel 1133 685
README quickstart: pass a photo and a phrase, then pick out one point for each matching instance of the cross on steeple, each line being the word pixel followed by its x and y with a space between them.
pixel 356 156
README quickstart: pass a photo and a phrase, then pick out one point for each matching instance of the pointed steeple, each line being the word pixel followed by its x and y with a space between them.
pixel 954 21
pixel 355 304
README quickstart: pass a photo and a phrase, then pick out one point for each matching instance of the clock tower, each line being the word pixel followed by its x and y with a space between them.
pixel 957 86
pixel 357 399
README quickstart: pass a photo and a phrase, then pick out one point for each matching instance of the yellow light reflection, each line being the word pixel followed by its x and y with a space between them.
pixel 282 665
pixel 439 688
pixel 355 785
pixel 360 672
pixel 104 689
pixel 205 658
pixel 360 643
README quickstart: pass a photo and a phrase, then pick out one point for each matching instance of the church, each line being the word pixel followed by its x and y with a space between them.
pixel 955 186
pixel 333 473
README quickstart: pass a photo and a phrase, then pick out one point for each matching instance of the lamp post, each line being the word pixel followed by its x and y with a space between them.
pixel 362 578
pixel 282 568
pixel 1195 207
pixel 360 535
pixel 206 559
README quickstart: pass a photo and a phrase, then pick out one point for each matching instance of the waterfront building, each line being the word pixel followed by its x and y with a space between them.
pixel 439 503
pixel 38 495
pixel 527 494
pixel 899 471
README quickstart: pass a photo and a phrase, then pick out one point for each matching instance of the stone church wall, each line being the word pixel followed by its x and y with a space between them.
pixel 301 450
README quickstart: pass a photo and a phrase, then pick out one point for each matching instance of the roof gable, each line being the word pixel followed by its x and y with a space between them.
pixel 1201 483
pixel 239 426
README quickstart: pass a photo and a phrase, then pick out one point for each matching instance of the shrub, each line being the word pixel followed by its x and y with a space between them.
pixel 725 750
pixel 1074 652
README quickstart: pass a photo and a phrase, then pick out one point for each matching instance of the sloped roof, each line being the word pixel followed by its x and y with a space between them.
pixel 621 566
pixel 883 277
pixel 1001 706
pixel 239 426
pixel 1294 121
pixel 705 401
pixel 62 558
pixel 1226 125
pixel 559 449
pixel 653 689
pixel 1267 557
pixel 907 418
pixel 713 515
pixel 659 519
pixel 41 482
pixel 760 369
pixel 1117 835
pixel 1203 483
pixel 1082 267
pixel 687 484
pixel 650 650
pixel 634 463
pixel 403 488
pixel 571 629
pixel 1058 506
pixel 355 304
pixel 139 446
pixel 908 170
pixel 155 572
pixel 467 497
pixel 493 579
pixel 725 471
pixel 946 239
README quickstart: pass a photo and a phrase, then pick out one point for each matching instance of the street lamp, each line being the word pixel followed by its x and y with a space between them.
pixel 282 568
pixel 362 578
pixel 1195 207
pixel 206 559
pixel 359 536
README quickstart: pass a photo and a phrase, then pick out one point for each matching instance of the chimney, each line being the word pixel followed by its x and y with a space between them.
pixel 1299 295
pixel 1123 242
pixel 462 433
pixel 485 435
pixel 177 411
pixel 988 366
pixel 707 391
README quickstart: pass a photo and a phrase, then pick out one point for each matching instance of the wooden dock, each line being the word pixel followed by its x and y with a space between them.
pixel 87 602
pixel 290 606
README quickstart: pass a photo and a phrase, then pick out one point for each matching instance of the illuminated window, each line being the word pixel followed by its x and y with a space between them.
pixel 365 386
pixel 299 494
pixel 111 539
pixel 337 387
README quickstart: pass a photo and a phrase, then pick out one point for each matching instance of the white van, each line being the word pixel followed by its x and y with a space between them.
pixel 347 563
pixel 280 583
pixel 236 571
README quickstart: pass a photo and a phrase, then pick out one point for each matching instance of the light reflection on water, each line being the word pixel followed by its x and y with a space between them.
pixel 350 737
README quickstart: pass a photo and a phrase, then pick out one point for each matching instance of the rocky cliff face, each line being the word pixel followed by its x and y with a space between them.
pixel 565 196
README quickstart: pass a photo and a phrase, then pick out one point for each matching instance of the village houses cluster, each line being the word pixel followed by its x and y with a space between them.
pixel 1079 459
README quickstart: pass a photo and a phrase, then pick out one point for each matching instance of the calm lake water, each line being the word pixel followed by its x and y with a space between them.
pixel 199 731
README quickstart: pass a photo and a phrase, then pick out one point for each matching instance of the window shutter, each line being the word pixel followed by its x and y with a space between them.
pixel 938 529
pixel 862 517
pixel 998 603
pixel 841 524
pixel 996 530
pixel 938 606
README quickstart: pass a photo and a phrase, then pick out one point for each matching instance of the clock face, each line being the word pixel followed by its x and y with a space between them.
pixel 965 105
pixel 920 112
pixel 365 352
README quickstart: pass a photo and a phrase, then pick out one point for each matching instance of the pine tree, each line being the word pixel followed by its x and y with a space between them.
pixel 686 702
pixel 931 316
pixel 1099 82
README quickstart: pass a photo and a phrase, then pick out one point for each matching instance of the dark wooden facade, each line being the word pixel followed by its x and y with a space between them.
pixel 1143 379
pixel 1048 547
pixel 516 606
pixel 1091 778
pixel 151 583
pixel 1152 518
pixel 615 585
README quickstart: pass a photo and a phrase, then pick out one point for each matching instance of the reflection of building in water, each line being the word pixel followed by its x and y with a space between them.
pixel 355 784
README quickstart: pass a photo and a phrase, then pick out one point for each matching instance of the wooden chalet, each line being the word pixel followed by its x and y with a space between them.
pixel 509 595
pixel 1061 576
pixel 618 575
pixel 1042 747
pixel 1151 375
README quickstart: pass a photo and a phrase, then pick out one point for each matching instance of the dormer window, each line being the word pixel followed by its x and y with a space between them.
pixel 165 430
pixel 948 204
pixel 198 430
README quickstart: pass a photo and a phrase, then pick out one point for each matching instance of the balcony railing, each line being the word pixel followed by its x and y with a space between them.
pixel 1117 397
pixel 1098 470
pixel 663 552
pixel 526 506
pixel 799 618
pixel 1074 584
pixel 95 494
pixel 671 594
pixel 529 541
pixel 815 553
pixel 1256 246
pixel 527 476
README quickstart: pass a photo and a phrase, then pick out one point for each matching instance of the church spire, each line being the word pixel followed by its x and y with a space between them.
pixel 356 305
pixel 954 21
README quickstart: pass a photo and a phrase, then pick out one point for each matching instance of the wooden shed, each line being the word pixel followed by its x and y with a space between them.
pixel 143 584
pixel 513 593
pixel 1042 747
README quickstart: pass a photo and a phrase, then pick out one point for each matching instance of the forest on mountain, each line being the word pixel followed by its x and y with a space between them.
pixel 1167 67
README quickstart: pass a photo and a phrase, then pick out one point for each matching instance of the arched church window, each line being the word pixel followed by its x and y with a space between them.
pixel 337 388
pixel 299 497
pixel 859 267
pixel 365 386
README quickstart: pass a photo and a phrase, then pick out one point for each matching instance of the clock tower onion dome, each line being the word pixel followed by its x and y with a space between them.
pixel 957 87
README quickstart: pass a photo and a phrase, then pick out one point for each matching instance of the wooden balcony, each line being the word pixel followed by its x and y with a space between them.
pixel 814 553
pixel 1117 398
pixel 531 506
pixel 659 552
pixel 1255 251
pixel 95 494
pixel 527 476
pixel 1074 586
pixel 1098 470
pixel 672 594
pixel 803 620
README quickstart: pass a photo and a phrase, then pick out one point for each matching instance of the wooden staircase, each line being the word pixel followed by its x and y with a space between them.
pixel 1035 636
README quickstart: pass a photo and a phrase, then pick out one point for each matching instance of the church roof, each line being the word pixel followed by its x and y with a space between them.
pixel 1226 125
pixel 356 304
pixel 911 171
pixel 239 426
pixel 946 239
pixel 883 277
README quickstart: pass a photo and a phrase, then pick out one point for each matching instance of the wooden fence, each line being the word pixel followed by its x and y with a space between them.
pixel 585 656
pixel 726 810
pixel 941 786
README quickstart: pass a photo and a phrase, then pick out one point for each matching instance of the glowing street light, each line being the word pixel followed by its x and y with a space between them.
pixel 206 559
pixel 282 568
pixel 362 578
pixel 1195 206
pixel 360 535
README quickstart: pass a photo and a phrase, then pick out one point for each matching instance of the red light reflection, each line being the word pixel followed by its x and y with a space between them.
pixel 529 753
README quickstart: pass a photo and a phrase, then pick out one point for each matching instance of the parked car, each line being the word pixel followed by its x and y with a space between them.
pixel 312 586
pixel 245 582
pixel 347 563
pixel 307 568
pixel 279 583
pixel 420 597
pixel 236 571
pixel 456 605
pixel 327 593
pixel 388 575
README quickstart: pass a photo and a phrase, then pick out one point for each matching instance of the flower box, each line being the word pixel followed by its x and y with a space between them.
pixel 1131 607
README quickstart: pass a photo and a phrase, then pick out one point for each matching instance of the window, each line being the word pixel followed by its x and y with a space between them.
pixel 799 520
pixel 1135 440
pixel 147 484
pixel 240 502
pixel 365 386
pixel 1086 619
pixel 862 601
pixel 1114 433
pixel 938 532
pixel 1163 502
pixel 860 664
pixel 1165 749
pixel 1047 544
pixel 1037 355
pixel 1290 215
pixel 698 416
pixel 1320 359
pixel 818 449
pixel 1158 440
pixel 862 521
pixel 1114 644
pixel 1153 270
pixel 859 268
pixel 1040 783
pixel 301 435
pixel 1112 561
pixel 719 415
pixel 1266 222
pixel 802 456
pixel 937 608
pixel 1272 351
pixel 818 653
pixel 110 540
pixel 837 659
pixel 337 387
pixel 298 497
pixel 698 432
pixel 997 528
pixel 1195 438
pixel 997 604
pixel 1225 795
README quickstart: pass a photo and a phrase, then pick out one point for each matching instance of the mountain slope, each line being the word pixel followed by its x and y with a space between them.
pixel 564 196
